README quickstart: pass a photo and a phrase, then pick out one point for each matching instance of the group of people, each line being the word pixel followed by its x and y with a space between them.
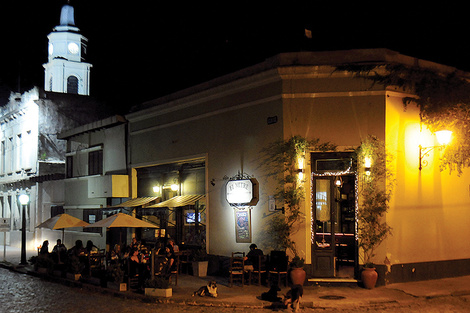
pixel 135 259
pixel 60 254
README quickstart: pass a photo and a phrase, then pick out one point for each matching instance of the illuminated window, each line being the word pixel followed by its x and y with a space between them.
pixel 92 216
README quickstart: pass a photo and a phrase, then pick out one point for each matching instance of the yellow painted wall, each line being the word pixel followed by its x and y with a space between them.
pixel 430 210
pixel 334 108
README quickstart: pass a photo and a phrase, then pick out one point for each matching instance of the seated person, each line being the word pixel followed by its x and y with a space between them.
pixel 251 259
pixel 44 248
pixel 134 244
pixel 78 249
pixel 91 248
pixel 169 263
pixel 137 268
pixel 115 255
pixel 173 245
pixel 59 252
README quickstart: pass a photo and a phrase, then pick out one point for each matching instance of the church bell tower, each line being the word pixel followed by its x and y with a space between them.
pixel 66 71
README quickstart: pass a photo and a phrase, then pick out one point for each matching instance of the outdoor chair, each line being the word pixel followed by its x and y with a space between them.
pixel 237 267
pixel 278 267
pixel 259 270
pixel 175 272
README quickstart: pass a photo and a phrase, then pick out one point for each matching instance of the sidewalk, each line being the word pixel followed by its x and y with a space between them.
pixel 315 296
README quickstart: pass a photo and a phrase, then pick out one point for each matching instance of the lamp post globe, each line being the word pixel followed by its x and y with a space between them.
pixel 24 200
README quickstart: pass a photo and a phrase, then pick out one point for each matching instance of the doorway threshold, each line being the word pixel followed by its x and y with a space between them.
pixel 333 280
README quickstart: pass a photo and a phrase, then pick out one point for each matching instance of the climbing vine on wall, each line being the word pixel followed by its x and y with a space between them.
pixel 443 99
pixel 280 160
pixel 375 187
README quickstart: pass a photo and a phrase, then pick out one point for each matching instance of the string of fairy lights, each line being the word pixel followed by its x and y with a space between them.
pixel 337 174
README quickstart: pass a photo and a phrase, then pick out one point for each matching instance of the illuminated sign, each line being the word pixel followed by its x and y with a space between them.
pixel 242 192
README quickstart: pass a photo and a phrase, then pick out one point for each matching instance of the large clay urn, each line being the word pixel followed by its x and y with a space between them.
pixel 369 277
pixel 297 276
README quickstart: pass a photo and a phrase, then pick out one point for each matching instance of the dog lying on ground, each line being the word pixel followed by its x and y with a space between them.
pixel 293 297
pixel 271 294
pixel 209 290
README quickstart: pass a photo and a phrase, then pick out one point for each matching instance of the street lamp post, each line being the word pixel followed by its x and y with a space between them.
pixel 24 200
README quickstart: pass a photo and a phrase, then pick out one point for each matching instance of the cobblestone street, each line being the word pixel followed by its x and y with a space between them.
pixel 25 293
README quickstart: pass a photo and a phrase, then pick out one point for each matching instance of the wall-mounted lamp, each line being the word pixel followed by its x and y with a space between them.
pixel 301 167
pixel 338 181
pixel 174 187
pixel 367 165
pixel 443 138
pixel 156 189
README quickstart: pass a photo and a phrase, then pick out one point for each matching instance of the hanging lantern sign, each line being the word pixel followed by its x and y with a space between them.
pixel 242 192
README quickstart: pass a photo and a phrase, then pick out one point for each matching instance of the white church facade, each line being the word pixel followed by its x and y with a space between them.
pixel 32 157
pixel 66 71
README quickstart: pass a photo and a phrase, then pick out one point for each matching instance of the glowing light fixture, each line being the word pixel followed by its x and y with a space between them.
pixel 156 188
pixel 338 181
pixel 367 165
pixel 301 167
pixel 174 187
pixel 443 138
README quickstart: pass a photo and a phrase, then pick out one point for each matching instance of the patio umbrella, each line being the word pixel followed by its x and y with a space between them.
pixel 62 221
pixel 122 220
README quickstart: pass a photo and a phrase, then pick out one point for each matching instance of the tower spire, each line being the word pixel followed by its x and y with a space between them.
pixel 67 15
pixel 66 70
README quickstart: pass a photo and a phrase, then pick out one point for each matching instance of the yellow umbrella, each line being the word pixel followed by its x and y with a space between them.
pixel 62 221
pixel 122 220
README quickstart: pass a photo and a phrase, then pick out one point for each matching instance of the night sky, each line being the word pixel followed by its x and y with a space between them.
pixel 142 50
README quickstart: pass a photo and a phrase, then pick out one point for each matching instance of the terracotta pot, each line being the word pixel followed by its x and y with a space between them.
pixel 297 276
pixel 369 277
pixel 200 268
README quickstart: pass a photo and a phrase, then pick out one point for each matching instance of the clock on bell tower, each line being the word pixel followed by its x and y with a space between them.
pixel 66 71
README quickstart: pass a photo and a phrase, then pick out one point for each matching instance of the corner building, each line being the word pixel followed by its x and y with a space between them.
pixel 201 137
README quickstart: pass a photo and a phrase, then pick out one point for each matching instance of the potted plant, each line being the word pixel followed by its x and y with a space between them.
pixel 297 272
pixel 374 195
pixel 44 264
pixel 33 260
pixel 199 262
pixel 158 287
pixel 74 268
pixel 115 277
